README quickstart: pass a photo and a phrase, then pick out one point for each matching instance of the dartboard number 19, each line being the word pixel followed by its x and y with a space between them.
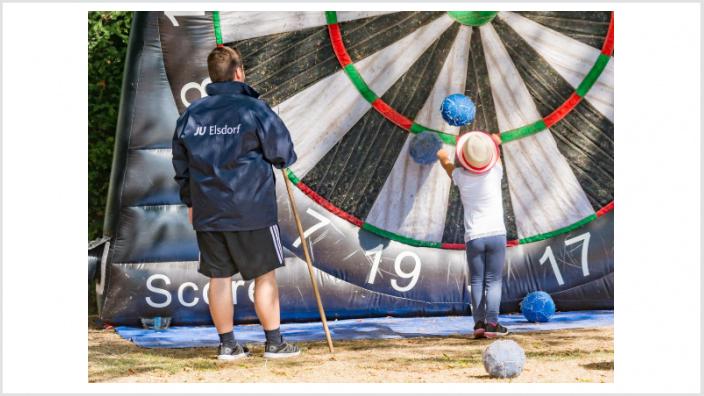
pixel 375 255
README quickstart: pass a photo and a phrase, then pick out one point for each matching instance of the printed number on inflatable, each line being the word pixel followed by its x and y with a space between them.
pixel 385 233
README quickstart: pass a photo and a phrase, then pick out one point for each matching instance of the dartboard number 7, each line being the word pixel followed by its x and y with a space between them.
pixel 413 275
pixel 584 238
pixel 549 256
pixel 322 222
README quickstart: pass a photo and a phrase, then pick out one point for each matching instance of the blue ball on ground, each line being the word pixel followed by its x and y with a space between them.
pixel 538 306
pixel 424 147
pixel 458 110
pixel 504 359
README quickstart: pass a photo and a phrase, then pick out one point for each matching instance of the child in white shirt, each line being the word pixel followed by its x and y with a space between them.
pixel 479 183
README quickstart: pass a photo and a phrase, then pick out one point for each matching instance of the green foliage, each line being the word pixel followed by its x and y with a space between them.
pixel 108 32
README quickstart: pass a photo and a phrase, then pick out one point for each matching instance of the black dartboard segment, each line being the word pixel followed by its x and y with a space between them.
pixel 280 65
pixel 587 27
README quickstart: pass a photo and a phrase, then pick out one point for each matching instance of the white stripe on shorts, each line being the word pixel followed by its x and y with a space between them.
pixel 277 243
pixel 278 240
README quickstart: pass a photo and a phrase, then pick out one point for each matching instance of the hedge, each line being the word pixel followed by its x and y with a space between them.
pixel 108 32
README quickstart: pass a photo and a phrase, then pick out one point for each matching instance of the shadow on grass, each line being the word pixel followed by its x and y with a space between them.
pixel 463 360
pixel 110 373
pixel 407 343
pixel 606 366
pixel 488 377
pixel 565 354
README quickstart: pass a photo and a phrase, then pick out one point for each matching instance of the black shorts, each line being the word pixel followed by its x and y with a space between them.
pixel 251 253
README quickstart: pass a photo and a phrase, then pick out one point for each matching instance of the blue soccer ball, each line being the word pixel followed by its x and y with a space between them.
pixel 538 307
pixel 458 110
pixel 424 147
pixel 504 359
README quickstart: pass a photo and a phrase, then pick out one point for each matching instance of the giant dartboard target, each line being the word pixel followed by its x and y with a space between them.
pixel 385 233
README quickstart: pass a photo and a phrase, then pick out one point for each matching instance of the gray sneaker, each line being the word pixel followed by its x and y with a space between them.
pixel 281 351
pixel 494 330
pixel 229 353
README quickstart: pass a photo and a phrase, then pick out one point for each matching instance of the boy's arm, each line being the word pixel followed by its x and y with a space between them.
pixel 179 160
pixel 275 139
pixel 445 162
pixel 497 139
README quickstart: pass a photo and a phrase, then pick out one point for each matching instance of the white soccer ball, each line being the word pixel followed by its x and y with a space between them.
pixel 504 359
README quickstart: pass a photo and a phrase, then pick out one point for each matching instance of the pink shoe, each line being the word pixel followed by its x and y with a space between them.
pixel 479 329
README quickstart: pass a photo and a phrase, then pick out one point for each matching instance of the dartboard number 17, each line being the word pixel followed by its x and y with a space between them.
pixel 548 256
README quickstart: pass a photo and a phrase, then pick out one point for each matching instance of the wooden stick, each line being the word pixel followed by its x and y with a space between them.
pixel 308 260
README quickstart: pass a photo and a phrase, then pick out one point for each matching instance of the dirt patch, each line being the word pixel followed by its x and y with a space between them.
pixel 582 355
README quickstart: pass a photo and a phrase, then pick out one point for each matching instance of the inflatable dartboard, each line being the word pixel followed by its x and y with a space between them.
pixel 354 88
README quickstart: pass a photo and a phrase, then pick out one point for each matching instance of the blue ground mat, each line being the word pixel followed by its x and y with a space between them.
pixel 357 329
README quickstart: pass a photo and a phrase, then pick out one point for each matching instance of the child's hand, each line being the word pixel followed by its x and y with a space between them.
pixel 497 138
pixel 190 215
pixel 442 155
pixel 445 162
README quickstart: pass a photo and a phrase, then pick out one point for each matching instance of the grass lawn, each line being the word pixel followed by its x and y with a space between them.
pixel 582 355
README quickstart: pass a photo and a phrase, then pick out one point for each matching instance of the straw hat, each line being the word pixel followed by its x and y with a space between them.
pixel 477 152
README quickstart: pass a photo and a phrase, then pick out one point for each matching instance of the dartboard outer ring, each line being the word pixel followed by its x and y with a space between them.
pixel 412 127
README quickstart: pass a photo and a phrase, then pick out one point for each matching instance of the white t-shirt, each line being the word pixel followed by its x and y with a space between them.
pixel 482 202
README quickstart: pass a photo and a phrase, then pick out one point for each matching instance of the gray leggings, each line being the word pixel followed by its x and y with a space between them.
pixel 485 257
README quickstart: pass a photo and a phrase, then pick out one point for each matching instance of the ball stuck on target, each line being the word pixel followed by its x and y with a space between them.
pixel 424 147
pixel 458 110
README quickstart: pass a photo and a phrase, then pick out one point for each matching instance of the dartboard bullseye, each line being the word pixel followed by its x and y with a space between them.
pixel 360 92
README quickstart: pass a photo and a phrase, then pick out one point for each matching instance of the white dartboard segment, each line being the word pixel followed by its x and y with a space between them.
pixel 346 16
pixel 320 115
pixel 450 80
pixel 414 199
pixel 381 69
pixel 571 58
pixel 238 25
pixel 545 194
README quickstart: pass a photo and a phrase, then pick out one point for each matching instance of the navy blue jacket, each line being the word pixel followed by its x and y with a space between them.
pixel 223 149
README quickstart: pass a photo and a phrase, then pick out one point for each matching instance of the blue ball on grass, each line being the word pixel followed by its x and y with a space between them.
pixel 458 110
pixel 538 306
pixel 504 359
pixel 424 147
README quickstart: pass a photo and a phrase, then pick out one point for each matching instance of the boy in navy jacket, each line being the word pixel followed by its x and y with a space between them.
pixel 224 147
